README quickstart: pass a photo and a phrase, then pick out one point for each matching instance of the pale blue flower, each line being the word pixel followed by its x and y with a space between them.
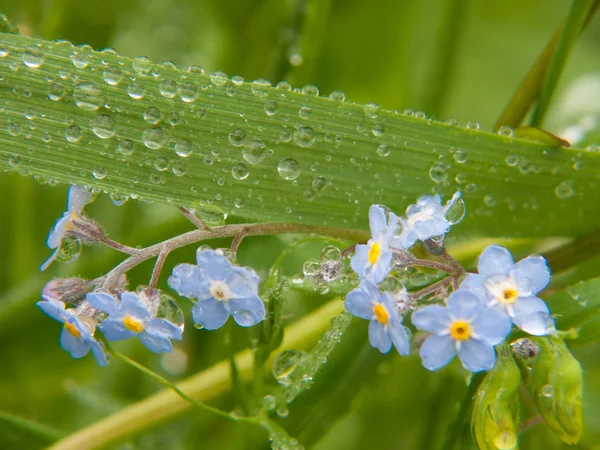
pixel 426 219
pixel 466 326
pixel 373 261
pixel 132 317
pixel 77 336
pixel 78 198
pixel 513 288
pixel 385 326
pixel 221 289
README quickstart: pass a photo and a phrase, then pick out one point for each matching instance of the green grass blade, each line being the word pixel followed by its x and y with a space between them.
pixel 346 156
pixel 580 10
pixel 38 430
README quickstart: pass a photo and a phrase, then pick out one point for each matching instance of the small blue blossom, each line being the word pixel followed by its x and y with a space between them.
pixel 465 327
pixel 221 290
pixel 78 198
pixel 385 327
pixel 132 317
pixel 425 220
pixel 77 336
pixel 373 261
pixel 513 287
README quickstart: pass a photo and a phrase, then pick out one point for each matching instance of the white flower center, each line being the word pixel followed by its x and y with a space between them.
pixel 220 291
pixel 502 288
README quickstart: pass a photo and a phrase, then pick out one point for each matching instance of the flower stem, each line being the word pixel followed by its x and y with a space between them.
pixel 193 218
pixel 160 261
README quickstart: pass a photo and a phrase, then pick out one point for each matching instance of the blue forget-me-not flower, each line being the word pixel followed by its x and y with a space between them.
pixel 77 336
pixel 373 260
pixel 466 326
pixel 425 220
pixel 132 317
pixel 78 198
pixel 221 289
pixel 513 288
pixel 385 326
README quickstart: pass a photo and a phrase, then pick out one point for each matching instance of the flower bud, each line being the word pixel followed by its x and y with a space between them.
pixel 555 379
pixel 495 420
pixel 68 290
pixel 85 229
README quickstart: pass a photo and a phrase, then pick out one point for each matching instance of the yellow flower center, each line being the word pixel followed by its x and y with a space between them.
pixel 374 253
pixel 133 325
pixel 509 295
pixel 72 329
pixel 381 314
pixel 460 330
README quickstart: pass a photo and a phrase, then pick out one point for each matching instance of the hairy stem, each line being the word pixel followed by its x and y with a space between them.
pixel 193 218
pixel 160 261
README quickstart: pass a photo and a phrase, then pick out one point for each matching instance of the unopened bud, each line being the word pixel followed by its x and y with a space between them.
pixel 68 290
pixel 495 421
pixel 86 230
pixel 555 379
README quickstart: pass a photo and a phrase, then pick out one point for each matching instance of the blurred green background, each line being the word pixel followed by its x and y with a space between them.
pixel 380 51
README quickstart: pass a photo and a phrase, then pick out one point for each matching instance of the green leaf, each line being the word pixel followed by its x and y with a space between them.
pixel 78 116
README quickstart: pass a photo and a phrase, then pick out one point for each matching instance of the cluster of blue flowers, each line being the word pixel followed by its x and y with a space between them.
pixel 218 287
pixel 475 317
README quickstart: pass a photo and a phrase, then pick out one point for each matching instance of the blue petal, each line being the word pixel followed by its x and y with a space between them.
pixel 133 305
pixel 78 198
pixel 163 327
pixel 49 260
pixel 377 221
pixel 437 351
pixel 247 311
pixel 214 265
pixel 432 318
pixel 360 260
pixel 538 324
pixel 407 238
pixel 241 282
pixel 382 267
pixel 476 355
pixel 114 330
pixel 99 353
pixel 189 281
pixel 77 347
pixel 475 283
pixel 430 201
pixel 524 306
pixel 54 308
pixel 399 337
pixel 464 304
pixel 156 343
pixel 57 234
pixel 359 303
pixel 492 325
pixel 210 313
pixel 531 274
pixel 495 260
pixel 427 229
pixel 378 337
pixel 104 302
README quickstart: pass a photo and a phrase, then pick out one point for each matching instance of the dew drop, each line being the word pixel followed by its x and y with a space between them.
pixel 473 125
pixel 337 96
pixel 269 402
pixel 14 160
pixel 457 211
pixel 141 65
pixel 237 80
pixel 56 91
pixel 30 113
pixel 73 133
pixel 460 156
pixel 505 131
pixel 512 160
pixel 126 147
pixel 564 190
pixel 505 440
pixel 438 173
pixel 118 199
pixel 14 128
pixel 383 150
pixel 218 78
pixel 304 112
pixel 304 136
pixel 112 75
pixel 188 92
pixel 183 148
pixel 271 108
pixel 489 200
pixel 237 137
pixel 285 136
pixel 152 115
pixel 378 129
pixel 136 90
pixel 179 169
pixel 33 57
pixel 154 137
pixel 87 96
pixel 99 173
pixel 254 151
pixel 260 87
pixel 318 183
pixel 81 57
pixel 161 163
pixel 547 391
pixel 168 88
pixel 309 194
pixel 285 364
pixel 156 178
pixel 4 50
pixel 239 171
pixel 104 127
pixel 289 169
pixel 371 110
pixel 310 89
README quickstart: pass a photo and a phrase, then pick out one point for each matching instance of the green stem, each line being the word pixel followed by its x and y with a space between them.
pixel 203 386
pixel 40 431
pixel 580 10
